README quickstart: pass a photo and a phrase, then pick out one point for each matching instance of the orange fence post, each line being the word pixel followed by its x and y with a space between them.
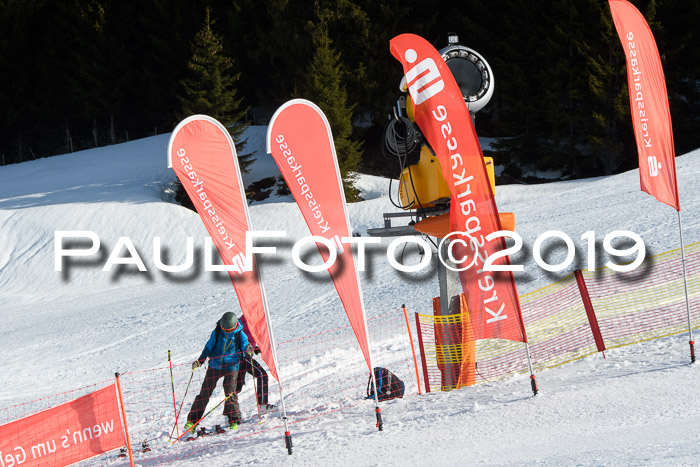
pixel 422 354
pixel 413 349
pixel 590 312
pixel 467 371
pixel 126 430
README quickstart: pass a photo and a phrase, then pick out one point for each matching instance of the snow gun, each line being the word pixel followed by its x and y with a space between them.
pixel 422 190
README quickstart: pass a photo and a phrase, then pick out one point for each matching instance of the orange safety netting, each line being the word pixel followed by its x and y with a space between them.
pixel 326 372
pixel 648 303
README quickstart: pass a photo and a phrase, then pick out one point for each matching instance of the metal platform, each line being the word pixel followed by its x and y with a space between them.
pixel 418 215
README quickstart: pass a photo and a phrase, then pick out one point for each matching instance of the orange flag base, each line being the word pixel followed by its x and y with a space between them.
pixel 455 346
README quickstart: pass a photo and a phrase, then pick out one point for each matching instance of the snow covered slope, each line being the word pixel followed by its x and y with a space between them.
pixel 62 330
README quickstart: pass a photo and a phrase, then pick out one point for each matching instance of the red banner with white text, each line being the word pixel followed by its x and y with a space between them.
pixel 443 117
pixel 65 434
pixel 204 158
pixel 651 116
pixel 300 140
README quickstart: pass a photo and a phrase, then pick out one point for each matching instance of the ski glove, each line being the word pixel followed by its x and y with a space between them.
pixel 195 365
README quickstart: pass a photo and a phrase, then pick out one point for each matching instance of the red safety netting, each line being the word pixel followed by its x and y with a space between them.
pixel 649 303
pixel 321 374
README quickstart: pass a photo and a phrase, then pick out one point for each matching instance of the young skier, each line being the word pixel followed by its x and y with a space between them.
pixel 226 348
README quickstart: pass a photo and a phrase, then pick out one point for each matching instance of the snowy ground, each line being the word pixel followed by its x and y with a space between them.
pixel 63 330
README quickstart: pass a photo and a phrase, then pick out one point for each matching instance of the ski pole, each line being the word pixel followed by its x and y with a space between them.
pixel 255 390
pixel 182 402
pixel 172 385
pixel 205 416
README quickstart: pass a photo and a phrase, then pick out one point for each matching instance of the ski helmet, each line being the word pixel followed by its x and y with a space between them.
pixel 229 320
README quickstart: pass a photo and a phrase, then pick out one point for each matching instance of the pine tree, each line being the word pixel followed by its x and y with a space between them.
pixel 677 36
pixel 520 97
pixel 608 106
pixel 210 87
pixel 569 114
pixel 324 86
pixel 18 108
pixel 271 46
pixel 166 29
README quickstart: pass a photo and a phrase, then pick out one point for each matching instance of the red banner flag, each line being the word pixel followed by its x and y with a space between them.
pixel 204 158
pixel 65 434
pixel 651 116
pixel 443 117
pixel 300 140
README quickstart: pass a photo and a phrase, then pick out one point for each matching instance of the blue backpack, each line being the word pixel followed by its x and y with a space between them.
pixel 389 386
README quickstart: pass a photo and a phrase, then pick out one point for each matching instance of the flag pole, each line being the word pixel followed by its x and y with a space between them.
pixel 273 345
pixel 377 409
pixel 685 285
pixel 533 378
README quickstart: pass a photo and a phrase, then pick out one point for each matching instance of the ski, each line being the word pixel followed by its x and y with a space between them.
pixel 268 409
pixel 203 432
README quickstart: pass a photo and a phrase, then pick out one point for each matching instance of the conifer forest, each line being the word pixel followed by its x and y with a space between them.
pixel 78 74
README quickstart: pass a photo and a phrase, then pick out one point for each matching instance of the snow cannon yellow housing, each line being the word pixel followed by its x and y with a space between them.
pixel 422 184
pixel 409 107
